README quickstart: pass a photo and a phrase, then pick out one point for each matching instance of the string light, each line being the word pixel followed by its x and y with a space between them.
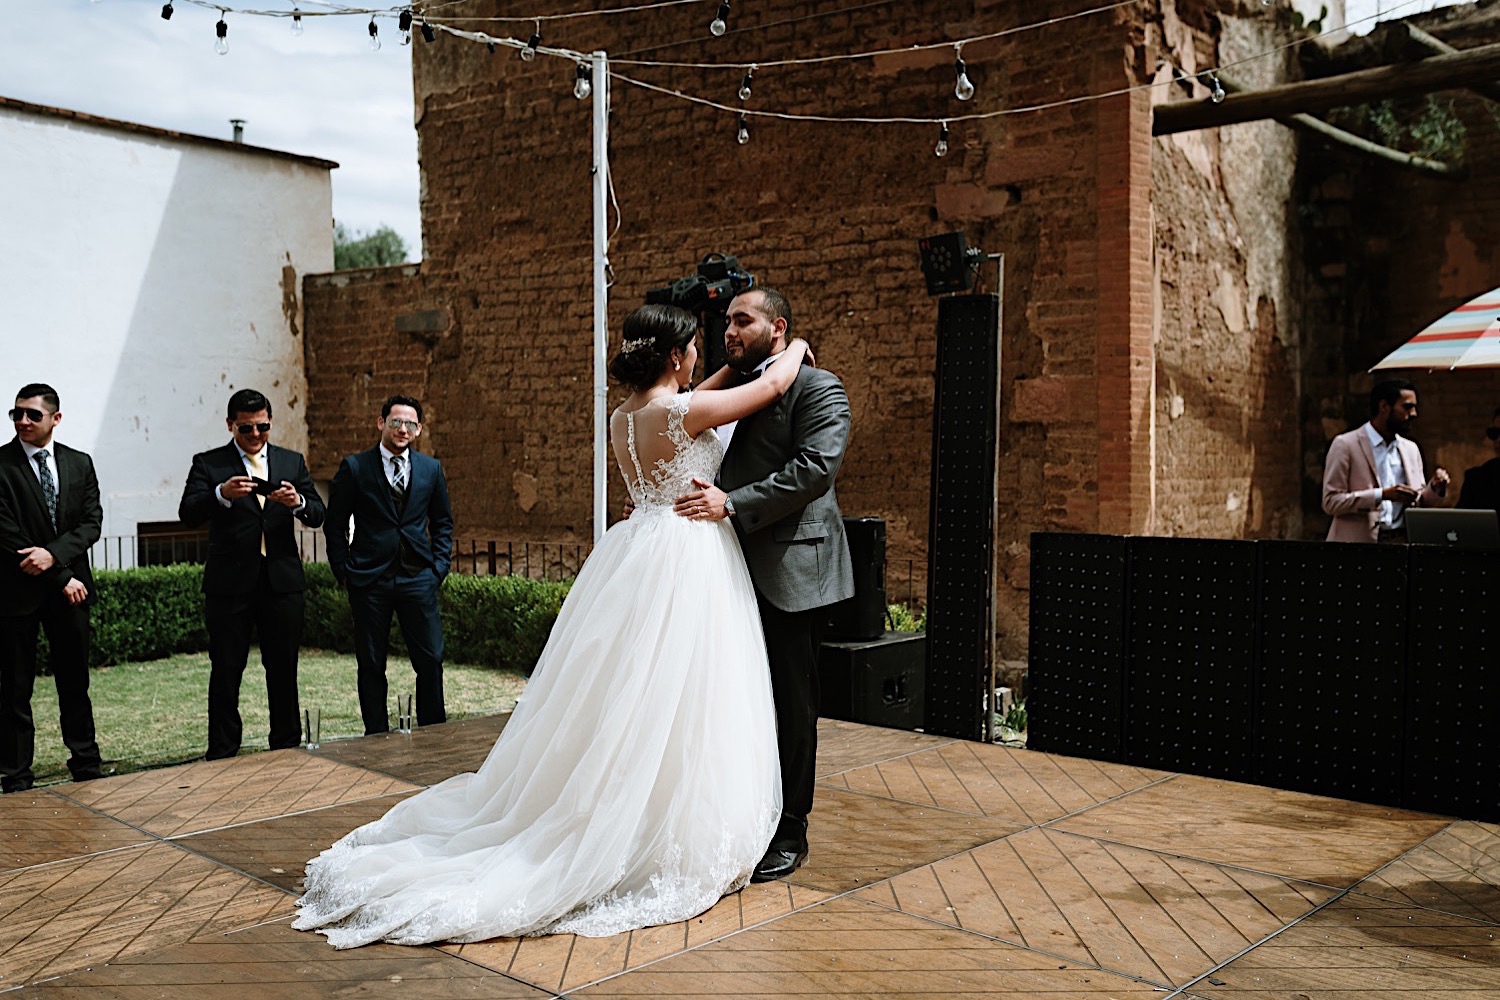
pixel 428 35
pixel 403 23
pixel 745 83
pixel 1217 93
pixel 166 11
pixel 963 87
pixel 941 149
pixel 582 85
pixel 296 21
pixel 532 44
pixel 720 23
pixel 221 30
pixel 374 35
pixel 742 134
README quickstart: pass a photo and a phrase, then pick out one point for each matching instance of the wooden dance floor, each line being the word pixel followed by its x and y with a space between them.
pixel 939 869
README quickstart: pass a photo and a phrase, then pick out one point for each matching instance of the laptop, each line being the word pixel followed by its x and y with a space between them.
pixel 1453 527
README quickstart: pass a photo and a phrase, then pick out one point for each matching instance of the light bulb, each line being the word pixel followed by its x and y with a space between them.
pixel 166 11
pixel 297 25
pixel 963 87
pixel 720 23
pixel 221 42
pixel 941 149
pixel 745 84
pixel 529 52
pixel 374 36
pixel 743 135
pixel 427 33
pixel 1217 94
pixel 403 24
pixel 582 85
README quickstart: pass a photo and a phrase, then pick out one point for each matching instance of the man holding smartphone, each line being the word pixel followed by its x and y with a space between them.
pixel 248 492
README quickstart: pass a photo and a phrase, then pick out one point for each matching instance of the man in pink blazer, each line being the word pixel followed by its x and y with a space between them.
pixel 1373 473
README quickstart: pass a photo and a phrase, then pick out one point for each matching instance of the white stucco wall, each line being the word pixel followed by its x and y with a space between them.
pixel 143 277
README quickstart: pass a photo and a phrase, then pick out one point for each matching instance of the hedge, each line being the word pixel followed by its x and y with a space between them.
pixel 152 612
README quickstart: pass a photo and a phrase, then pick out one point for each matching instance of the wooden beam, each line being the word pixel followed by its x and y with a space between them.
pixel 1445 72
pixel 1332 133
pixel 1420 40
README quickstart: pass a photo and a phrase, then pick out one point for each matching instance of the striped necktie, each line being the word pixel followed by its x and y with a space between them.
pixel 49 486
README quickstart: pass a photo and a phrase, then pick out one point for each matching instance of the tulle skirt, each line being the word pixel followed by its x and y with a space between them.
pixel 636 783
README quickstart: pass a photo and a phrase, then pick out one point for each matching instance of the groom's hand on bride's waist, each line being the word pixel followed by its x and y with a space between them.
pixel 706 503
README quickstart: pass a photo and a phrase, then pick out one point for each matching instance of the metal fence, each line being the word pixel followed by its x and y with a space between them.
pixel 472 556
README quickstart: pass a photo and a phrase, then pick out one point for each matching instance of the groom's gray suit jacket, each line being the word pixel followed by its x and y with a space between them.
pixel 779 474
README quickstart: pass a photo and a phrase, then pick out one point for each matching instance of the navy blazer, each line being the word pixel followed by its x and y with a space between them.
pixel 24 524
pixel 234 532
pixel 361 491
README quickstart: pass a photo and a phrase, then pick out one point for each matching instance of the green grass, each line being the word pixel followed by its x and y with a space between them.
pixel 155 713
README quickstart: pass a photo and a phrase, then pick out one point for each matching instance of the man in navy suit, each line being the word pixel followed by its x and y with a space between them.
pixel 249 491
pixel 403 541
pixel 49 517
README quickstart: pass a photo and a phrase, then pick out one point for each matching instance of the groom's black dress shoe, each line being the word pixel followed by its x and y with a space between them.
pixel 778 863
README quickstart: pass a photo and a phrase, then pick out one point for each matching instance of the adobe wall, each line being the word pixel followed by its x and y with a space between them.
pixel 1102 306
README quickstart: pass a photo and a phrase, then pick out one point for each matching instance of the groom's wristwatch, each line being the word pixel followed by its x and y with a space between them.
pixel 728 507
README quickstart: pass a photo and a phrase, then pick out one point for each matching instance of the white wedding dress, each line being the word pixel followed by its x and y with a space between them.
pixel 637 781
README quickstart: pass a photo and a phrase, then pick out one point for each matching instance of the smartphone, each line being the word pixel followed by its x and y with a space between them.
pixel 264 487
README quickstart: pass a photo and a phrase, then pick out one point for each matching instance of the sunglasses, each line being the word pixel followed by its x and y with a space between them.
pixel 35 416
pixel 396 423
pixel 252 428
pixel 1493 433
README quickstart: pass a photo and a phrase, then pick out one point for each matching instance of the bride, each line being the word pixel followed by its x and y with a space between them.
pixel 637 781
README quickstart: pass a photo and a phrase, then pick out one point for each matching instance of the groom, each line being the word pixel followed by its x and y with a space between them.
pixel 776 485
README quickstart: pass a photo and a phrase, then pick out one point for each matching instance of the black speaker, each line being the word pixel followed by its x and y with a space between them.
pixel 879 683
pixel 863 615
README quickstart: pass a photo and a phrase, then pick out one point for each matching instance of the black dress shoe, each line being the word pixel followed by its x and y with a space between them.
pixel 778 863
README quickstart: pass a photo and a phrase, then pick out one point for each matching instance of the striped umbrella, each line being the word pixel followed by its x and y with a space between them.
pixel 1468 337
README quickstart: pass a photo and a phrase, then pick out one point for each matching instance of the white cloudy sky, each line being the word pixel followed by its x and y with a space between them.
pixel 323 94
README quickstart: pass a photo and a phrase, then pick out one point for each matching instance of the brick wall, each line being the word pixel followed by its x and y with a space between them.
pixel 828 212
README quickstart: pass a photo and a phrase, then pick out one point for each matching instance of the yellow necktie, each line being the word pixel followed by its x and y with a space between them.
pixel 258 470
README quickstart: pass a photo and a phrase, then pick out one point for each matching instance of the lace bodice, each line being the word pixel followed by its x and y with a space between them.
pixel 669 479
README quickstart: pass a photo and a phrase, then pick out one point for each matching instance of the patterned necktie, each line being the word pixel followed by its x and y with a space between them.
pixel 49 486
pixel 398 473
pixel 257 463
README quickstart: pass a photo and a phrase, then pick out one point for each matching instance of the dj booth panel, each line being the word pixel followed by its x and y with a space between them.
pixel 1333 649
pixel 1076 677
pixel 1191 650
pixel 1453 683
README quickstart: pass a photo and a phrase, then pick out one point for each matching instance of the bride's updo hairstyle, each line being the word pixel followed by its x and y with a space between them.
pixel 650 334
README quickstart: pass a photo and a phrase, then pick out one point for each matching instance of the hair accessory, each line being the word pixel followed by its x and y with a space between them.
pixel 642 344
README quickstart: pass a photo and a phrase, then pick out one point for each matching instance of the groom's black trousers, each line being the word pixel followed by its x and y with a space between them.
pixel 792 640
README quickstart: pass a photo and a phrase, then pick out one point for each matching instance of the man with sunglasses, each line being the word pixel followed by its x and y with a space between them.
pixel 248 491
pixel 396 562
pixel 49 518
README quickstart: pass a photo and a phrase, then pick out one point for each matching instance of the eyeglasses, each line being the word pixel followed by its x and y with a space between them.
pixel 252 428
pixel 35 416
pixel 1493 433
pixel 398 424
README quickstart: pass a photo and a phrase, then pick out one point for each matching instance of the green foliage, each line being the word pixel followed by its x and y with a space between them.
pixel 501 621
pixel 1314 26
pixel 1427 127
pixel 152 612
pixel 360 249
pixel 1015 717
pixel 147 613
pixel 904 619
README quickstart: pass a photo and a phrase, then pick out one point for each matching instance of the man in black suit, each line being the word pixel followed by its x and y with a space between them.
pixel 248 491
pixel 49 517
pixel 403 541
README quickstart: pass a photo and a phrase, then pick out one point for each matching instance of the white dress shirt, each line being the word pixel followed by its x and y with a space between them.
pixel 1390 472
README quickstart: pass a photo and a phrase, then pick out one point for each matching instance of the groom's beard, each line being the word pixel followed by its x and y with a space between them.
pixel 750 360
